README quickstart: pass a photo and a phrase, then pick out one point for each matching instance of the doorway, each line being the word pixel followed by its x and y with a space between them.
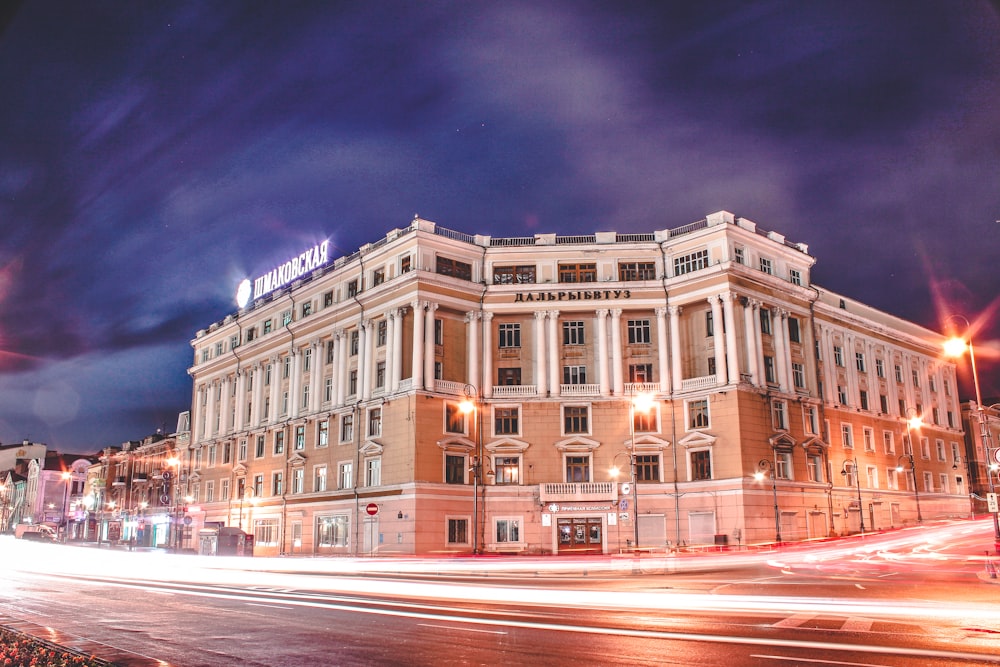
pixel 582 535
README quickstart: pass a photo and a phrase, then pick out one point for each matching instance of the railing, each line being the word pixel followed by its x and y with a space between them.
pixel 632 388
pixel 451 234
pixel 579 389
pixel 687 229
pixel 579 491
pixel 694 384
pixel 514 390
pixel 512 242
pixel 449 387
pixel 634 238
pixel 567 240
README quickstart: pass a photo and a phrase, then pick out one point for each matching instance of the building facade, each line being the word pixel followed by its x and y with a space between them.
pixel 437 392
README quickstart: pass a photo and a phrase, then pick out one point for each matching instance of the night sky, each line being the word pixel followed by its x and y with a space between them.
pixel 153 154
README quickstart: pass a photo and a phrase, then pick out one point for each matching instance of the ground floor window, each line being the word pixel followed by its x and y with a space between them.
pixel 265 532
pixel 332 531
pixel 458 531
pixel 508 530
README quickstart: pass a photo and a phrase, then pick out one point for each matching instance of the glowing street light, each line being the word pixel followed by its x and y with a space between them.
pixel 955 347
pixel 913 423
pixel 762 465
pixel 857 480
pixel 470 405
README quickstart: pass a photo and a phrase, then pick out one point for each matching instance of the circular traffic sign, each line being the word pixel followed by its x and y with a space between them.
pixel 372 509
pixel 996 455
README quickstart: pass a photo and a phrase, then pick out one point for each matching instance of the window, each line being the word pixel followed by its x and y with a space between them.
pixel 849 471
pixel 323 434
pixel 872 473
pixel 210 492
pixel 765 321
pixel 739 253
pixel 647 468
pixel 284 402
pixel 258 485
pixel 218 349
pixel 841 394
pixel 277 483
pixel 794 276
pixel 505 421
pixel 286 318
pixel 307 308
pixel 507 469
pixel 405 264
pixel 939 447
pixel 319 478
pixel 454 418
pixel 381 333
pixel 883 403
pixel 640 373
pixel 811 416
pixel 575 419
pixel 869 437
pixel 380 375
pixel 373 472
pixel 766 266
pixel 378 277
pixel 279 442
pixel 327 390
pixel 352 288
pixel 694 261
pixel 629 271
pixel 838 356
pixel 847 436
pixel 701 464
pixel 644 422
pixel 345 475
pixel 508 530
pixel 578 469
pixel 814 467
pixel 916 377
pixel 452 267
pixel 224 490
pixel 899 373
pixel 783 464
pixel 638 332
pixel 578 273
pixel 573 333
pixel 863 395
pixel 779 415
pixel 709 324
pixel 513 275
pixel 227 453
pixel 880 368
pixel 798 375
pixel 769 375
pixel 925 449
pixel 698 414
pixel 888 442
pixel 265 532
pixel 509 377
pixel 332 531
pixel 458 531
pixel 346 428
pixel 328 299
pixel 438 332
pixel 454 469
pixel 928 482
pixel 259 452
pixel 574 375
pixel 352 383
pixel 794 330
pixel 355 341
pixel 509 334
pixel 298 480
pixel 859 362
pixel 300 437
pixel 241 453
pixel 374 422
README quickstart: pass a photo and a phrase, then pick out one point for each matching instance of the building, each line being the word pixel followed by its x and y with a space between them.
pixel 980 460
pixel 437 392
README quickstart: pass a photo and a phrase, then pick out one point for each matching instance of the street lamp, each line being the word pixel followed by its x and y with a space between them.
pixel 955 347
pixel 913 423
pixel 968 483
pixel 66 477
pixel 857 481
pixel 642 403
pixel 470 405
pixel 766 465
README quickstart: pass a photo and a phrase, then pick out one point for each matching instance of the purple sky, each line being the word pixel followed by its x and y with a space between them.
pixel 152 154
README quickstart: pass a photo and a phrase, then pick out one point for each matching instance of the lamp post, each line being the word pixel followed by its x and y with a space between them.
pixel 66 477
pixel 968 483
pixel 470 405
pixel 642 403
pixel 955 347
pixel 766 465
pixel 857 482
pixel 3 509
pixel 913 424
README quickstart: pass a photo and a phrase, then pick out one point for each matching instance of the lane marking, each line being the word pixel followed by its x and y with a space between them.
pixel 452 627
pixel 793 621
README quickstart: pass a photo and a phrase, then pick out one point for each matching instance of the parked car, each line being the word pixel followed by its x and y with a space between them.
pixel 31 531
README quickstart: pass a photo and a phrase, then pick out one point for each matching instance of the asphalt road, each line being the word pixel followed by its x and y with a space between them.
pixel 843 604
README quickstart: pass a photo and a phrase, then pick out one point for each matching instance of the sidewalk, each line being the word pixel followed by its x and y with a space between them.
pixel 113 656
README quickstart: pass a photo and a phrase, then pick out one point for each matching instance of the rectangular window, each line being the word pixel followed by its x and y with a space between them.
pixel 888 442
pixel 454 469
pixel 277 484
pixel 438 332
pixel 640 373
pixel 863 395
pixel 783 465
pixel 224 490
pixel 355 342
pixel 298 480
pixel 352 382
pixel 698 416
pixel 916 377
pixel 307 308
pixel 647 468
pixel 847 436
pixel 345 475
pixel 267 326
pixel 352 288
pixel 883 403
pixel 454 268
pixel 378 277
pixel 405 264
pixel 739 253
pixel 573 332
pixel 259 452
pixel 795 276
pixel 779 415
pixel 765 321
pixel 578 273
pixel 880 368
pixel 769 375
pixel 332 531
pixel 380 375
pixel 577 469
pixel 507 469
pixel 509 335
pixel 508 530
pixel 258 485
pixel 575 419
pixel 454 418
pixel 766 266
pixel 279 442
pixel 838 356
pixel 694 261
pixel 798 375
pixel 328 390
pixel 841 394
pixel 508 377
pixel 374 422
pixel 300 437
pixel 373 472
pixel 701 464
pixel 869 437
pixel 381 332
pixel 814 467
pixel 811 419
pixel 859 362
pixel 347 428
pixel 265 532
pixel 241 453
pixel 506 421
pixel 638 332
pixel 709 324
pixel 574 375
pixel 794 330
pixel 513 275
pixel 630 271
pixel 286 318
pixel 458 531
pixel 328 299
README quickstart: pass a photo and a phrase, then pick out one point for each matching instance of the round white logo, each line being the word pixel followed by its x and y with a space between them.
pixel 243 293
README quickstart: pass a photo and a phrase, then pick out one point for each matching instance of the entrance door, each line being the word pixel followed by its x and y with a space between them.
pixel 580 535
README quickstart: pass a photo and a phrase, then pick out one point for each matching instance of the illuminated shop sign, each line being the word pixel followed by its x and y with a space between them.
pixel 576 295
pixel 295 268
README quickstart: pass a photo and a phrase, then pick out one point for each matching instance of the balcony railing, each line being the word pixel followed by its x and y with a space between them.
pixel 580 389
pixel 514 390
pixel 694 384
pixel 564 492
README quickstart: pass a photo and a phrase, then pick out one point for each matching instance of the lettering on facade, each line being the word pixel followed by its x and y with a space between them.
pixel 577 295
pixel 296 267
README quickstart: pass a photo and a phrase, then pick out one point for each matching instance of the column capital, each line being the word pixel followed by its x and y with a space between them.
pixel 540 314
pixel 472 316
pixel 487 316
pixel 659 311
pixel 674 310
pixel 616 312
pixel 714 299
pixel 553 314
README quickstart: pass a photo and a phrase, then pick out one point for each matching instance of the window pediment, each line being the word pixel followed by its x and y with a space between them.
pixel 297 459
pixel 240 470
pixel 577 444
pixel 697 439
pixel 507 445
pixel 782 441
pixel 460 444
pixel 647 443
pixel 372 448
pixel 814 443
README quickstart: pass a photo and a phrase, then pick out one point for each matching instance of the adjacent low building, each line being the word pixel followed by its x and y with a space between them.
pixel 437 392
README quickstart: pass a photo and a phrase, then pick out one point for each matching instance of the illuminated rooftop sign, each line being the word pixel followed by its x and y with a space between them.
pixel 295 268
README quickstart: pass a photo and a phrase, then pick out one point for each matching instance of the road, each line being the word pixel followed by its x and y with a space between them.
pixel 907 598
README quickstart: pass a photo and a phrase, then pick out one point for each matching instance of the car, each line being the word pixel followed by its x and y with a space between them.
pixel 35 532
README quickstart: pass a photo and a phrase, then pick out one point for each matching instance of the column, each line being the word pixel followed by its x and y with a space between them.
pixel 780 354
pixel 429 347
pixel 732 349
pixel 663 371
pixel 786 338
pixel 473 353
pixel 540 366
pixel 675 347
pixel 210 409
pixel 829 367
pixel 339 366
pixel 315 376
pixel 295 383
pixel 224 405
pixel 257 403
pixel 272 415
pixel 750 330
pixel 240 400
pixel 418 345
pixel 759 344
pixel 396 369
pixel 617 363
pixel 719 340
pixel 486 391
pixel 552 352
pixel 603 368
pixel 366 350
